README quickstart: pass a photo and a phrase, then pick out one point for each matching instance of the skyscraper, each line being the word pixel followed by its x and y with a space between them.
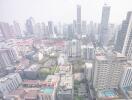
pixel 5 30
pixel 17 29
pixel 43 29
pixel 50 29
pixel 30 26
pixel 74 26
pixel 84 27
pixel 104 24
pixel 78 19
pixel 73 48
pixel 122 33
pixel 126 80
pixel 37 30
pixel 127 47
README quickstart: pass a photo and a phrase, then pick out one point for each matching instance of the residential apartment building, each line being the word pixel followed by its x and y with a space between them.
pixel 108 70
pixel 9 83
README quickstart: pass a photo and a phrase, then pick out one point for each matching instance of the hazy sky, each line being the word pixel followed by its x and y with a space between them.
pixel 61 10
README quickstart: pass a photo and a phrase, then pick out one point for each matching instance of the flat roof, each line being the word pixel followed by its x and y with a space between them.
pixel 34 67
pixel 7 77
pixel 119 54
pixel 47 90
pixel 101 57
pixel 89 65
pixel 18 92
pixel 31 94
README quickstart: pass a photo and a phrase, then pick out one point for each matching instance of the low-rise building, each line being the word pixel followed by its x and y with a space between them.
pixel 48 90
pixel 31 95
pixel 31 72
pixel 17 94
pixel 65 88
pixel 65 69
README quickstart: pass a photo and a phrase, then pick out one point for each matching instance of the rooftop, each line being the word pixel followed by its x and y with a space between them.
pixel 34 67
pixel 66 82
pixel 31 95
pixel 89 65
pixel 46 90
pixel 18 92
pixel 8 77
pixel 101 57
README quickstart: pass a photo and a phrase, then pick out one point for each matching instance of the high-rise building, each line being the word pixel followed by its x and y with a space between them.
pixel 127 47
pixel 73 48
pixel 1 35
pixel 37 30
pixel 30 26
pixel 17 29
pixel 70 31
pixel 65 30
pixel 43 31
pixel 9 83
pixel 126 80
pixel 87 52
pixel 104 24
pixel 84 27
pixel 89 71
pixel 122 33
pixel 74 26
pixel 108 70
pixel 5 30
pixel 78 19
pixel 7 57
pixel 50 27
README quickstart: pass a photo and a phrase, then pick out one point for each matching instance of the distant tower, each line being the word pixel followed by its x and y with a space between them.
pixel 17 29
pixel 50 27
pixel 122 33
pixel 78 19
pixel 104 24
pixel 30 26
pixel 127 47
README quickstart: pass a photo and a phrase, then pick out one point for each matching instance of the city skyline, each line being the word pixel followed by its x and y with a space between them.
pixel 44 11
pixel 65 50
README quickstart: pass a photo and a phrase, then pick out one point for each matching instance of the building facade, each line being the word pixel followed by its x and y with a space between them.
pixel 119 45
pixel 10 83
pixel 127 47
pixel 104 25
pixel 108 70
pixel 78 19
pixel 126 80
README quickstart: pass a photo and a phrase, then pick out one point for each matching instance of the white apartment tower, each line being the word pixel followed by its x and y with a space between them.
pixel 108 70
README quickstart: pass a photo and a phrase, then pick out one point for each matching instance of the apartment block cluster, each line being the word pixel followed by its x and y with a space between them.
pixel 76 49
